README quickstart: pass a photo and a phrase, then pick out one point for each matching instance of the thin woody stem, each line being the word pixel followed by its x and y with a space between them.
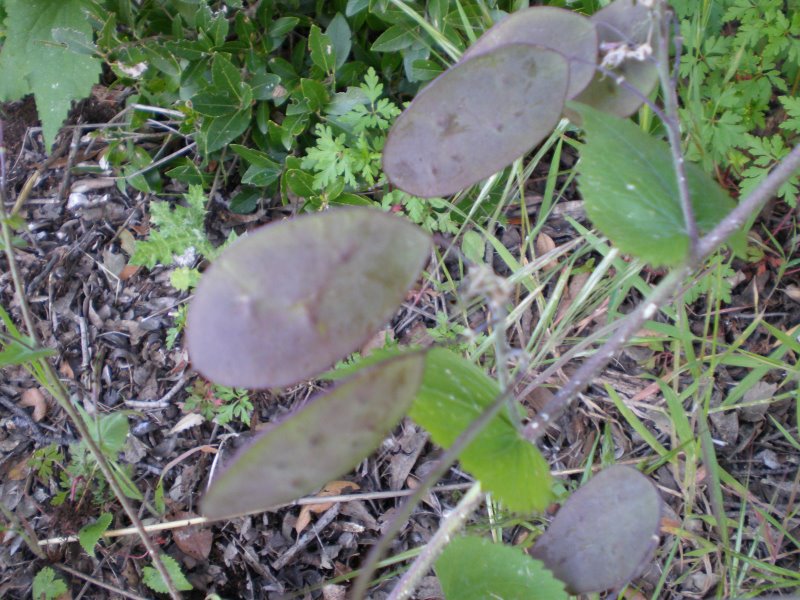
pixel 672 123
pixel 662 294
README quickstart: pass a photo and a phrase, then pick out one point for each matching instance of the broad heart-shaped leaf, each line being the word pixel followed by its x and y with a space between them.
pixel 628 183
pixel 322 441
pixel 474 568
pixel 622 21
pixel 454 393
pixel 604 533
pixel 475 119
pixel 568 33
pixel 30 61
pixel 284 303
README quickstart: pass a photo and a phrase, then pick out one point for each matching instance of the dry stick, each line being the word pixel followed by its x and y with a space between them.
pixel 309 500
pixel 57 390
pixel 672 124
pixel 422 564
pixel 97 582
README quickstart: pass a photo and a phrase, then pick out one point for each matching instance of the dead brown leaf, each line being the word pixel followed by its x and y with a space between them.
pixel 334 488
pixel 128 271
pixel 194 540
pixel 33 397
pixel 544 244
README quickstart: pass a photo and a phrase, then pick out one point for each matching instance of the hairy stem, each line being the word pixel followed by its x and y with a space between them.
pixel 447 528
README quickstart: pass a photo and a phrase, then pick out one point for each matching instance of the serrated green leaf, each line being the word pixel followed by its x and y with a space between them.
pixel 474 568
pixel 322 441
pixel 176 230
pixel 454 393
pixel 47 586
pixel 629 187
pixel 90 534
pixel 155 582
pixel 31 62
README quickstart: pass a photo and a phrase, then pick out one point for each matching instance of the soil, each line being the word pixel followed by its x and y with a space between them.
pixel 107 322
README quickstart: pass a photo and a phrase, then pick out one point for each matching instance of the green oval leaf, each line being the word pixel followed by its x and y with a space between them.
pixel 604 533
pixel 473 568
pixel 568 33
pixel 627 181
pixel 284 303
pixel 629 22
pixel 322 441
pixel 475 119
pixel 454 393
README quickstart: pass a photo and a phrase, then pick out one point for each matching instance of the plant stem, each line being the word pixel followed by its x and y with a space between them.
pixel 430 552
pixel 60 394
pixel 437 472
pixel 672 123
pixel 662 294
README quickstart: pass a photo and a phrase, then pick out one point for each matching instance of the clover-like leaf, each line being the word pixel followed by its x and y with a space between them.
pixel 568 33
pixel 473 568
pixel 475 119
pixel 320 442
pixel 454 393
pixel 627 23
pixel 284 303
pixel 628 183
pixel 604 533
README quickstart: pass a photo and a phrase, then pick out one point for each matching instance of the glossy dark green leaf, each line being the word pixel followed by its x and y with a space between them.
pixel 394 39
pixel 220 131
pixel 629 187
pixel 341 37
pixel 572 35
pixel 474 568
pixel 285 302
pixel 622 21
pixel 326 438
pixel 476 119
pixel 604 533
pixel 322 51
pixel 453 394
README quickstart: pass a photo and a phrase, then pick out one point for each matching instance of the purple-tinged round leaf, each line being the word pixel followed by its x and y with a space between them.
pixel 624 22
pixel 476 119
pixel 604 533
pixel 568 33
pixel 283 304
pixel 320 442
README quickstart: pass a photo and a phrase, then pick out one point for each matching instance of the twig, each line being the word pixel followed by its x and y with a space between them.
pixel 424 561
pixel 305 539
pixel 309 500
pixel 97 582
pixel 672 124
pixel 162 402
pixel 56 389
